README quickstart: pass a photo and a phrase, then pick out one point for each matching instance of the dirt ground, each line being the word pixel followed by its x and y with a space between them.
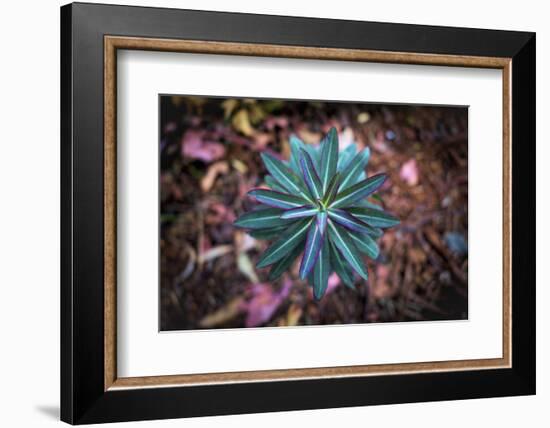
pixel 210 157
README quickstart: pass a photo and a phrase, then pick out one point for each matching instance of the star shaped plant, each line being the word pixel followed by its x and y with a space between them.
pixel 317 206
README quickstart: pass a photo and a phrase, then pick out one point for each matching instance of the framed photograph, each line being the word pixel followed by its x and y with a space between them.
pixel 266 213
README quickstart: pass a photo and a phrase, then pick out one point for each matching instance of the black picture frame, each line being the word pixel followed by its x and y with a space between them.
pixel 83 397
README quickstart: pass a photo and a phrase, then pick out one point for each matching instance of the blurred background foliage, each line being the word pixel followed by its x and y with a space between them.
pixel 210 158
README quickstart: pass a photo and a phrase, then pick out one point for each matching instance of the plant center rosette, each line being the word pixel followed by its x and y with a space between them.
pixel 317 206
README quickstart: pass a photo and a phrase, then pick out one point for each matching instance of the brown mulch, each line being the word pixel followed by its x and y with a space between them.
pixel 207 266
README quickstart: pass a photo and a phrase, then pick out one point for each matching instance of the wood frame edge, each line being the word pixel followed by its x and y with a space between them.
pixel 507 212
pixel 112 43
pixel 109 200
pixel 302 374
pixel 301 52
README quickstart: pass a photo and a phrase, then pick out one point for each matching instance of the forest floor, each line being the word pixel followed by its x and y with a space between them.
pixel 210 157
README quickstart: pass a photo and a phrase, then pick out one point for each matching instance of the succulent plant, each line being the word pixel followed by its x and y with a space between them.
pixel 317 205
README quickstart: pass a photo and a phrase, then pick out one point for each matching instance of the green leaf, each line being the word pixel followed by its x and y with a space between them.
pixel 332 189
pixel 284 176
pixel 346 156
pixel 311 177
pixel 260 219
pixel 329 157
pixel 340 267
pixel 304 211
pixel 321 272
pixel 358 191
pixel 366 245
pixel 289 239
pixel 368 204
pixel 377 198
pixel 321 220
pixel 278 268
pixel 277 199
pixel 349 221
pixel 295 146
pixel 315 154
pixel 347 248
pixel 375 232
pixel 273 184
pixel 313 245
pixel 269 234
pixel 355 168
pixel 374 217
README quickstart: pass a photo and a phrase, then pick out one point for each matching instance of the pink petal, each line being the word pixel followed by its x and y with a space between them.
pixel 409 172
pixel 333 283
pixel 195 146
pixel 261 307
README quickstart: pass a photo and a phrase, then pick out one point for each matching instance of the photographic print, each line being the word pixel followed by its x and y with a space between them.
pixel 308 206
pixel 281 212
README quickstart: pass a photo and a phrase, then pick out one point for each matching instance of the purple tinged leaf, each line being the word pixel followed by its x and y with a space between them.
pixel 303 211
pixel 347 248
pixel 349 221
pixel 315 154
pixel 340 267
pixel 329 157
pixel 284 176
pixel 310 176
pixel 358 191
pixel 374 216
pixel 276 199
pixel 355 168
pixel 261 219
pixel 322 217
pixel 367 203
pixel 310 279
pixel 332 189
pixel 366 245
pixel 346 156
pixel 273 184
pixel 295 146
pixel 289 239
pixel 314 242
pixel 269 233
pixel 278 268
pixel 321 272
pixel 376 232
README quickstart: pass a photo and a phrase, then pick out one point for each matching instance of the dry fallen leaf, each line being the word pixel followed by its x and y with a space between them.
pixel 381 288
pixel 212 173
pixel 243 241
pixel 224 314
pixel 215 252
pixel 218 213
pixel 417 256
pixel 261 140
pixel 241 123
pixel 309 137
pixel 196 146
pixel 228 107
pixel 247 267
pixel 264 302
pixel 239 166
pixel 293 314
